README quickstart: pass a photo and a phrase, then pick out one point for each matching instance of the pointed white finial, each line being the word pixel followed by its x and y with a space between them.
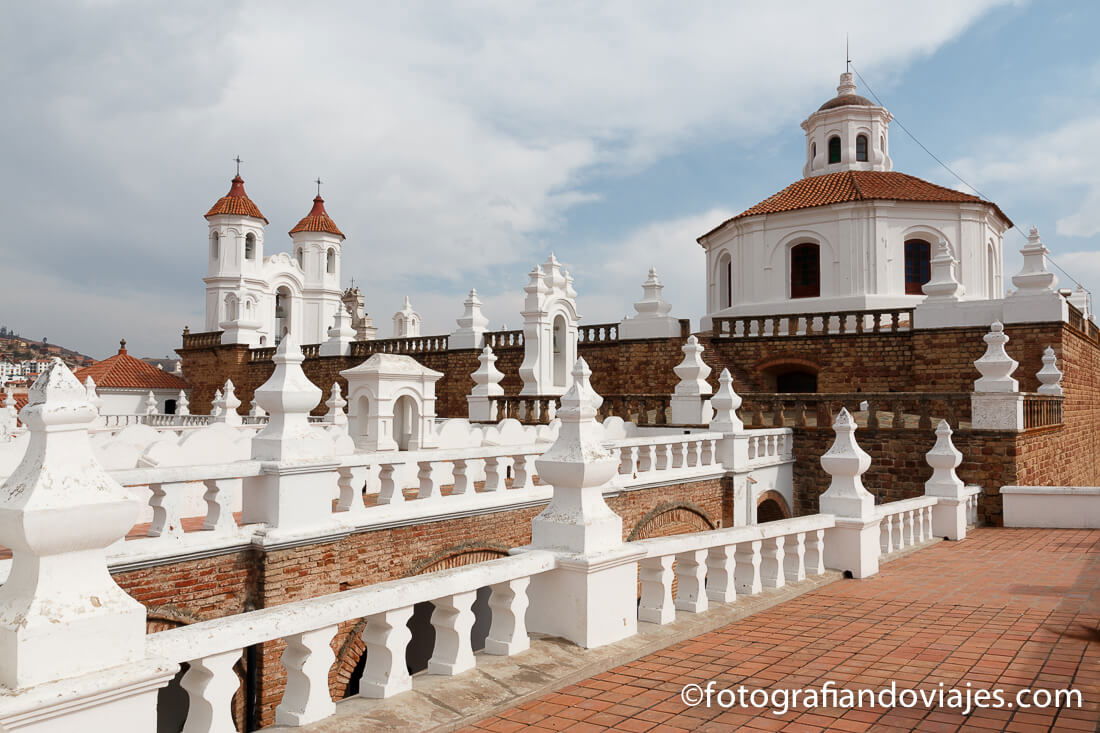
pixel 1034 276
pixel 216 407
pixel 59 511
pixel 255 410
pixel 288 396
pixel 846 463
pixel 726 402
pixel 92 392
pixel 336 404
pixel 183 405
pixel 995 365
pixel 150 406
pixel 944 458
pixel 944 282
pixel 1050 376
pixel 228 404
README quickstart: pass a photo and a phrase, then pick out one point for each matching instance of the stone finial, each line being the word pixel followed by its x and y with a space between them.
pixel 150 405
pixel 227 405
pixel 177 369
pixel 847 84
pixel 183 405
pixel 61 612
pixel 944 282
pixel 846 463
pixel 255 410
pixel 1050 376
pixel 216 405
pixel 92 393
pixel 725 403
pixel 692 371
pixel 340 336
pixel 995 365
pixel 336 404
pixel 406 322
pixel 487 380
pixel 652 304
pixel 9 395
pixel 944 458
pixel 1034 277
pixel 288 396
pixel 471 326
pixel 577 465
pixel 487 377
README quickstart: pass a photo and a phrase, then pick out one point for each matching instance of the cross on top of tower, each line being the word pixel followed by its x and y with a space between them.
pixel 318 182
pixel 238 161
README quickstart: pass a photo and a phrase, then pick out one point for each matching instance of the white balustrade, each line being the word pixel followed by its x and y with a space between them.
pixel 905 523
pixel 719 565
pixel 212 648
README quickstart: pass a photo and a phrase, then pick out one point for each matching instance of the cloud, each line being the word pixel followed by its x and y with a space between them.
pixel 454 139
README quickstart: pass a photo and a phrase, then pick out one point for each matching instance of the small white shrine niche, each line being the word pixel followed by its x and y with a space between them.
pixel 391 403
pixel 549 331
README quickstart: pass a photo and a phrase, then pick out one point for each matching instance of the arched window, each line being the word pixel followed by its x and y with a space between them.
pixel 330 262
pixel 918 266
pixel 805 270
pixel 861 148
pixel 298 255
pixel 214 245
pixel 813 151
pixel 282 314
pixel 558 351
pixel 834 149
pixel 250 246
pixel 725 281
pixel 994 271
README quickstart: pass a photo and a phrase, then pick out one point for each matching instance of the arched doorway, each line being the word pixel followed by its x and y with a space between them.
pixel 359 420
pixel 559 351
pixel 918 266
pixel 406 417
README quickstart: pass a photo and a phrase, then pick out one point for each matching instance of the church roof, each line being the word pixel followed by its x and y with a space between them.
pixel 318 220
pixel 235 203
pixel 125 372
pixel 846 100
pixel 845 186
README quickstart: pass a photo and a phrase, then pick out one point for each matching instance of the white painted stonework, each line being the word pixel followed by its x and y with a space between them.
pixel 1056 507
pixel 853 545
pixel 256 299
pixel 391 401
pixel 550 321
pixel 406 322
pixel 653 319
pixel 862 243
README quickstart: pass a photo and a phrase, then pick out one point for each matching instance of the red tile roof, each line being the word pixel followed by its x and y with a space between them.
pixel 236 203
pixel 20 400
pixel 318 220
pixel 844 186
pixel 126 372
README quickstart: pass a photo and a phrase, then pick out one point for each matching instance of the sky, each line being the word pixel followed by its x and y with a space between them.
pixel 461 143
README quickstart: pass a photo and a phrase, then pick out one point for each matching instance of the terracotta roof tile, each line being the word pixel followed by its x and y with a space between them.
pixel 844 186
pixel 125 372
pixel 236 203
pixel 318 220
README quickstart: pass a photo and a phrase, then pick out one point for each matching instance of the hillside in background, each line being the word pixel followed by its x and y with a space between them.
pixel 16 348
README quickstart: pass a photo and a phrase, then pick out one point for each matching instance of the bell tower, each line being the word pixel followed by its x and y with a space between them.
pixel 235 241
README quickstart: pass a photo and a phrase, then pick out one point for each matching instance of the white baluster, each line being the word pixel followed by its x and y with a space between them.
pixel 521 471
pixel 628 460
pixel 647 458
pixel 721 563
pixel 307 660
pixel 920 518
pixel 219 497
pixel 898 531
pixel 388 491
pixel 691 576
pixel 655 574
pixel 708 452
pixel 429 486
pixel 166 501
pixel 663 457
pixel 679 455
pixel 508 630
pixel 461 477
pixel 351 482
pixel 886 535
pixel 928 523
pixel 911 527
pixel 771 563
pixel 794 561
pixel 210 683
pixel 747 572
pixel 815 552
pixel 452 620
pixel 494 477
pixel 386 637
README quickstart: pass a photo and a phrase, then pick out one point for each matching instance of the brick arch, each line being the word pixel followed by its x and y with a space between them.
pixel 671 518
pixel 353 648
pixel 780 505
pixel 773 362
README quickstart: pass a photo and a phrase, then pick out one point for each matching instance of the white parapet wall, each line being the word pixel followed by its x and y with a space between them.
pixel 1055 507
